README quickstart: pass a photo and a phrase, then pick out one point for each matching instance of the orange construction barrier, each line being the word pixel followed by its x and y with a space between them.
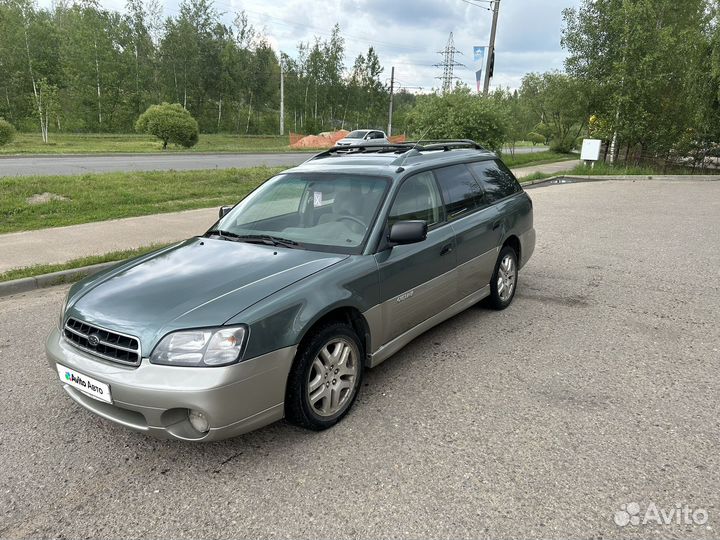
pixel 327 139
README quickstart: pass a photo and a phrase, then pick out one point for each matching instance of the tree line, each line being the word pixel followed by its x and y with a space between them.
pixel 79 67
pixel 642 75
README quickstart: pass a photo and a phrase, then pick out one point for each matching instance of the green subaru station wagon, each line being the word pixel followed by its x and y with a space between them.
pixel 324 270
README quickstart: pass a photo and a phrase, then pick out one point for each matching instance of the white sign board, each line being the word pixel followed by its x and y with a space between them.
pixel 590 150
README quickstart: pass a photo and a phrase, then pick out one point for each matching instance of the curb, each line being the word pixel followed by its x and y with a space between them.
pixel 17 286
pixel 573 179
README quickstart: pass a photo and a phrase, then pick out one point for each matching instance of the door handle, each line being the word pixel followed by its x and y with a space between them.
pixel 446 249
pixel 496 225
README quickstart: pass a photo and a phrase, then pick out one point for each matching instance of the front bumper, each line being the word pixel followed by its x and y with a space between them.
pixel 155 399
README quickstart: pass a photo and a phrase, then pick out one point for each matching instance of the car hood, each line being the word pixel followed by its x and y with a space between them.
pixel 199 283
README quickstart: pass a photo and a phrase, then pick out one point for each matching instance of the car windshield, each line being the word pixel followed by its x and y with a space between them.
pixel 315 211
pixel 358 134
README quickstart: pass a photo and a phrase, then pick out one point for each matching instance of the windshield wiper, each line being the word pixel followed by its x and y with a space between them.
pixel 227 235
pixel 266 239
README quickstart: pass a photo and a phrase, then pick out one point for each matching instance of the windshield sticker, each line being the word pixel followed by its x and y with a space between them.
pixel 317 198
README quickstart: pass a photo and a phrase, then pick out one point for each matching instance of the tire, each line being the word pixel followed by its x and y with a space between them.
pixel 322 387
pixel 504 275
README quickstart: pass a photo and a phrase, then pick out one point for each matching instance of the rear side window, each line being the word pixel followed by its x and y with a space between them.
pixel 461 191
pixel 496 179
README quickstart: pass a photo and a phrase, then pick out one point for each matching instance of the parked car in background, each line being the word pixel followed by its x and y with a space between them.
pixel 363 136
pixel 324 270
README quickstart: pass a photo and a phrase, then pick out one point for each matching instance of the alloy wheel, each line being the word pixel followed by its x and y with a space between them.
pixel 506 277
pixel 332 376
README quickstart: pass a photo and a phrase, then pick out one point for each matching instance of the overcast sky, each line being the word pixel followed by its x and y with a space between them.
pixel 409 33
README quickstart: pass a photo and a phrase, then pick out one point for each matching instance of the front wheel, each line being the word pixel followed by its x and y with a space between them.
pixel 325 377
pixel 504 279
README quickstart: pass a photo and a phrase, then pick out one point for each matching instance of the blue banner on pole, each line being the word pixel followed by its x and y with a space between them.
pixel 479 64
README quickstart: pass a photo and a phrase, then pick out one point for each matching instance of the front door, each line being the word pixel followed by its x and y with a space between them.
pixel 417 280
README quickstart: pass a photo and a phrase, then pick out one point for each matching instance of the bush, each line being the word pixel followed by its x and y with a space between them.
pixel 7 132
pixel 460 115
pixel 170 123
pixel 536 138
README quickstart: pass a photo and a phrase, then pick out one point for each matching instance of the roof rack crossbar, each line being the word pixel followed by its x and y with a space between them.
pixel 400 148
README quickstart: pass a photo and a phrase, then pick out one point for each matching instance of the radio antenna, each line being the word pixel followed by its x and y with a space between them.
pixel 410 152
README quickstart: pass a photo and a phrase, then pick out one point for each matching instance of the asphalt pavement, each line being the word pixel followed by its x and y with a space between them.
pixel 597 388
pixel 83 164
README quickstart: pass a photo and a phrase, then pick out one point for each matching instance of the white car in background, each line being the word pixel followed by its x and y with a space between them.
pixel 363 136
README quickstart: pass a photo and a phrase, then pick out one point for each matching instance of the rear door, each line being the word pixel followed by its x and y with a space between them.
pixel 417 280
pixel 476 226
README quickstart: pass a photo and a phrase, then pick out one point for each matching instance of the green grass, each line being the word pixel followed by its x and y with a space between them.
pixel 67 143
pixel 110 143
pixel 534 177
pixel 99 197
pixel 605 169
pixel 623 170
pixel 41 269
pixel 535 158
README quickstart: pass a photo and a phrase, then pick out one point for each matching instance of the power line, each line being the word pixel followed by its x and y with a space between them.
pixel 476 5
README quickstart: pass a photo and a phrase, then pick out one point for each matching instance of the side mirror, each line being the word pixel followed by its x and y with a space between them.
pixel 407 232
pixel 224 210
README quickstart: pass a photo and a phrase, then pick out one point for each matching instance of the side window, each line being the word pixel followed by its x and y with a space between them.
pixel 496 179
pixel 461 191
pixel 418 198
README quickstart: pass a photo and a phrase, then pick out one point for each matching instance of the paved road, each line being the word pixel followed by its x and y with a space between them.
pixel 597 387
pixel 29 165
pixel 24 166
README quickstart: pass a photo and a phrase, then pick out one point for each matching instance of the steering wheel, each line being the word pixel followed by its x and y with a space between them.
pixel 353 219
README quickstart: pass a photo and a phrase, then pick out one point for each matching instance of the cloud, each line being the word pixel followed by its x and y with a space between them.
pixel 409 33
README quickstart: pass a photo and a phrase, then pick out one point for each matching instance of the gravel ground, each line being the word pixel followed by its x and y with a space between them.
pixel 598 387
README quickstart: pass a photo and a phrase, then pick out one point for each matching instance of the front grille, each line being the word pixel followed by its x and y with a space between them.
pixel 103 343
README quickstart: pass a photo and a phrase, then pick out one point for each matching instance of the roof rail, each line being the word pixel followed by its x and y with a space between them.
pixel 365 149
pixel 447 144
pixel 400 148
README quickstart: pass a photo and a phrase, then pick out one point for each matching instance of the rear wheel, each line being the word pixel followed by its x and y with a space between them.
pixel 504 279
pixel 325 377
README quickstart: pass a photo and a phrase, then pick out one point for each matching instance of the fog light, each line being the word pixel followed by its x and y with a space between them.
pixel 199 421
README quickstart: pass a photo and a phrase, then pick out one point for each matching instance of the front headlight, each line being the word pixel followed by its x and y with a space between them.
pixel 201 348
pixel 61 320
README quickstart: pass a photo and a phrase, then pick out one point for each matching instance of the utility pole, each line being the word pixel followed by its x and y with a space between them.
pixel 392 84
pixel 491 48
pixel 282 97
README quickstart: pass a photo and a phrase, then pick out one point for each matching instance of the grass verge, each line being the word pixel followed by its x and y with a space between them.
pixel 534 177
pixel 535 158
pixel 99 197
pixel 41 269
pixel 605 169
pixel 100 143
pixel 623 170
